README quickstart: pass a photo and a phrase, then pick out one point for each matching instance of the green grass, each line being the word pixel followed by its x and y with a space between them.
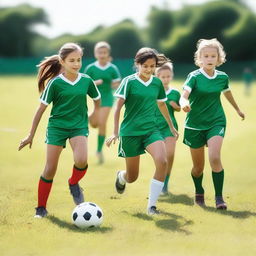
pixel 183 229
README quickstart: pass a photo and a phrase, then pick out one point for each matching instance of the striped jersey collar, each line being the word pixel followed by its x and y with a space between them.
pixel 68 81
pixel 97 64
pixel 206 75
pixel 143 82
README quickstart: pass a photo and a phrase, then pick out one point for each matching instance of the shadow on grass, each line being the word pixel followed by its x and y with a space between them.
pixel 234 214
pixel 177 199
pixel 174 222
pixel 64 224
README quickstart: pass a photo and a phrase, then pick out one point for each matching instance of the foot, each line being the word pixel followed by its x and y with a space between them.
pixel 119 186
pixel 40 212
pixel 77 192
pixel 100 157
pixel 164 192
pixel 220 204
pixel 153 211
pixel 199 199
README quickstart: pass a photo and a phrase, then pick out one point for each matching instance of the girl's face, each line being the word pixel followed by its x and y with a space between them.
pixel 147 69
pixel 72 63
pixel 165 76
pixel 209 58
pixel 102 54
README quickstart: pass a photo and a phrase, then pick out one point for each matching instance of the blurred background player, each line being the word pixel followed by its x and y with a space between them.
pixel 248 79
pixel 107 77
pixel 67 90
pixel 165 73
pixel 141 93
pixel 206 122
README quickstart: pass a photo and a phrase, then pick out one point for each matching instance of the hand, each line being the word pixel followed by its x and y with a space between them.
pixel 26 141
pixel 98 82
pixel 94 119
pixel 175 133
pixel 111 139
pixel 186 108
pixel 241 114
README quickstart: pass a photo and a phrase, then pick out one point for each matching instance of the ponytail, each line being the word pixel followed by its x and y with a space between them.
pixel 48 68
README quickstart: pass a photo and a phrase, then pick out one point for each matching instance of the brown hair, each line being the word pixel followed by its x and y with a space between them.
pixel 51 67
pixel 165 66
pixel 146 53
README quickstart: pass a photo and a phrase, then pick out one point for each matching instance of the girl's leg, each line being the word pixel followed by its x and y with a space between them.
pixel 197 155
pixel 46 179
pixel 158 152
pixel 103 117
pixel 170 143
pixel 79 147
pixel 214 145
pixel 129 175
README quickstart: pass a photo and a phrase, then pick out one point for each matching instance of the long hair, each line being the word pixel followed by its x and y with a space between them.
pixel 51 67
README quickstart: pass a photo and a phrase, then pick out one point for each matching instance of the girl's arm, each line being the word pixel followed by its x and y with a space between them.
pixel 175 106
pixel 94 116
pixel 115 84
pixel 114 137
pixel 36 120
pixel 163 109
pixel 231 100
pixel 184 103
pixel 98 82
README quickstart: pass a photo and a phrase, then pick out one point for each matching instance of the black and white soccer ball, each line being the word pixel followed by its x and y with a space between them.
pixel 87 215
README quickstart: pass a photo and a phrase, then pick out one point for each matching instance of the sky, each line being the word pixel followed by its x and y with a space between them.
pixel 81 16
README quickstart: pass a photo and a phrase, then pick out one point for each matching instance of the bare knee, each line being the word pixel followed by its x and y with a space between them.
pixel 197 170
pixel 81 163
pixel 49 171
pixel 131 177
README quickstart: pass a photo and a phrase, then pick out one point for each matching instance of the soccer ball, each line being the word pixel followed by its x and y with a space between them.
pixel 86 215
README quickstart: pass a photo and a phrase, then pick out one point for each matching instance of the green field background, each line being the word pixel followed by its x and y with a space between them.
pixel 182 229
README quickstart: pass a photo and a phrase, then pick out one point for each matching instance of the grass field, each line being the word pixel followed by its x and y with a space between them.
pixel 182 229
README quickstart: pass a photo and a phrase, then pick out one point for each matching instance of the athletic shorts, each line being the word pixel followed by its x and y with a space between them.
pixel 130 146
pixel 166 132
pixel 199 138
pixel 107 99
pixel 58 136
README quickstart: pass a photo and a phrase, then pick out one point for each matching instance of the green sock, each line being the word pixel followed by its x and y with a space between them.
pixel 101 140
pixel 218 180
pixel 166 181
pixel 198 183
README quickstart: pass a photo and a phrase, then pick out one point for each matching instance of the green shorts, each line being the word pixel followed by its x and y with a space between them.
pixel 199 138
pixel 58 136
pixel 166 132
pixel 107 99
pixel 130 146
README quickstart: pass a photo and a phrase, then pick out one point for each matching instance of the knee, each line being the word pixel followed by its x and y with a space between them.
pixel 215 160
pixel 161 162
pixel 81 163
pixel 197 171
pixel 130 178
pixel 49 172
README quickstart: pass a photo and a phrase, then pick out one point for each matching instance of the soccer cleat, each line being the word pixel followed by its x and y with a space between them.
pixel 199 199
pixel 220 204
pixel 119 187
pixel 77 192
pixel 40 212
pixel 153 211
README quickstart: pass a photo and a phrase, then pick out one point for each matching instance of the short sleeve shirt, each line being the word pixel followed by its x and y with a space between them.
pixel 108 73
pixel 140 104
pixel 69 103
pixel 172 95
pixel 206 108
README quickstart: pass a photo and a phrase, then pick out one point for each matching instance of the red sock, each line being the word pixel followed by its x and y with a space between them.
pixel 44 189
pixel 77 175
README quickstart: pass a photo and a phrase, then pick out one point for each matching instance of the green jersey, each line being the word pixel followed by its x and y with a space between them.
pixel 108 73
pixel 140 104
pixel 69 103
pixel 172 95
pixel 206 108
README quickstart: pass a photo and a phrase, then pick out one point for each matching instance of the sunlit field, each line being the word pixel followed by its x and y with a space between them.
pixel 182 229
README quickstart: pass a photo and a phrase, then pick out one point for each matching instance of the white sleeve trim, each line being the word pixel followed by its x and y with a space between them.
pixel 226 90
pixel 116 80
pixel 44 102
pixel 162 100
pixel 97 98
pixel 187 88
pixel 119 96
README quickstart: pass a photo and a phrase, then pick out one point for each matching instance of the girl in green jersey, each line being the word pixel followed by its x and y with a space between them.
pixel 165 73
pixel 140 93
pixel 205 122
pixel 67 89
pixel 107 77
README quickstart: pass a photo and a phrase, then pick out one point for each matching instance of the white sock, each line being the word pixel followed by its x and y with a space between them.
pixel 121 177
pixel 156 187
